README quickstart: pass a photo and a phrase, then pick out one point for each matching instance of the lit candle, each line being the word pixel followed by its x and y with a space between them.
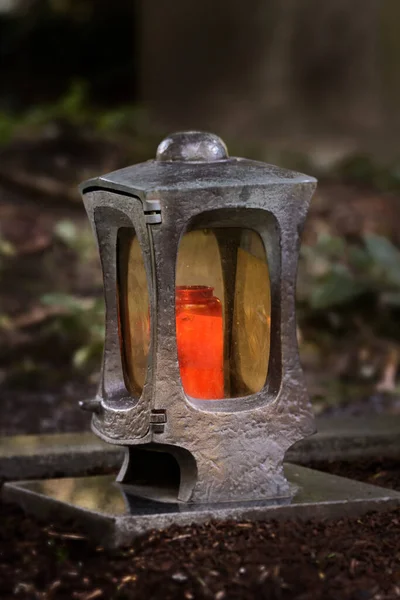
pixel 200 341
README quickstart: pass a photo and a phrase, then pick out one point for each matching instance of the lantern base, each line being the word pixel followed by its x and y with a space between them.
pixel 113 516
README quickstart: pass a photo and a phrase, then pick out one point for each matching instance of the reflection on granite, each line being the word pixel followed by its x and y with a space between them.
pixel 102 495
pixel 99 494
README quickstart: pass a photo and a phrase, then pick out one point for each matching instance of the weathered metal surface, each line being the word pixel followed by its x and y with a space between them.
pixel 113 516
pixel 229 449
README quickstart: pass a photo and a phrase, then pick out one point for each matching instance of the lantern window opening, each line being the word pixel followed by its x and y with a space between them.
pixel 223 311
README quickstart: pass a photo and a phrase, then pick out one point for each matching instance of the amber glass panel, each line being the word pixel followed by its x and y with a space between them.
pixel 134 315
pixel 250 344
pixel 223 312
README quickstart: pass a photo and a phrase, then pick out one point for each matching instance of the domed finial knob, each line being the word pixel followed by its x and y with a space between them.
pixel 192 146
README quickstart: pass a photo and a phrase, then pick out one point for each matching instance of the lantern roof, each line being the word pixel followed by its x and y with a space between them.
pixel 194 160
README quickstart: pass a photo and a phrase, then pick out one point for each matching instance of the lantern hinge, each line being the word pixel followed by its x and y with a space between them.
pixel 158 418
pixel 152 211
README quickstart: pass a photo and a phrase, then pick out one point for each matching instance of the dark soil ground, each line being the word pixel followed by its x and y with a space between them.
pixel 357 559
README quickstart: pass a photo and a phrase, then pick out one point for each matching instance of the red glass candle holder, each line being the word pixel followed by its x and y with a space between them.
pixel 200 341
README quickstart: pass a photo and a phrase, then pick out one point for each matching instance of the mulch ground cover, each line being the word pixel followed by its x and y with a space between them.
pixel 357 558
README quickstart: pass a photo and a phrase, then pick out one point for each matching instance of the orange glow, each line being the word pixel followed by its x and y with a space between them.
pixel 200 341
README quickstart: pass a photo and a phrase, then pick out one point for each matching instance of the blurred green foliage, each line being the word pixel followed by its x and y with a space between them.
pixel 81 320
pixel 335 272
pixel 6 248
pixel 362 169
pixel 80 241
pixel 74 109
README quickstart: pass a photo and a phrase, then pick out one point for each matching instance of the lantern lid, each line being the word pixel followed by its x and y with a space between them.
pixel 194 160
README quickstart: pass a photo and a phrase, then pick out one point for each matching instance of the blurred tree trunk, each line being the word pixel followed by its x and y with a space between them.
pixel 214 63
pixel 262 66
pixel 390 62
pixel 335 64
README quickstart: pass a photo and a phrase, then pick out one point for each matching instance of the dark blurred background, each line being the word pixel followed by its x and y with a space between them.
pixel 88 86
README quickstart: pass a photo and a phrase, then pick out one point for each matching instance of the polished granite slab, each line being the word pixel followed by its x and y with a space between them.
pixel 53 455
pixel 113 515
pixel 36 456
pixel 350 439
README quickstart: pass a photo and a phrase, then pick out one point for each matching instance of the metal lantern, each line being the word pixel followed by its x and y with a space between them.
pixel 201 380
